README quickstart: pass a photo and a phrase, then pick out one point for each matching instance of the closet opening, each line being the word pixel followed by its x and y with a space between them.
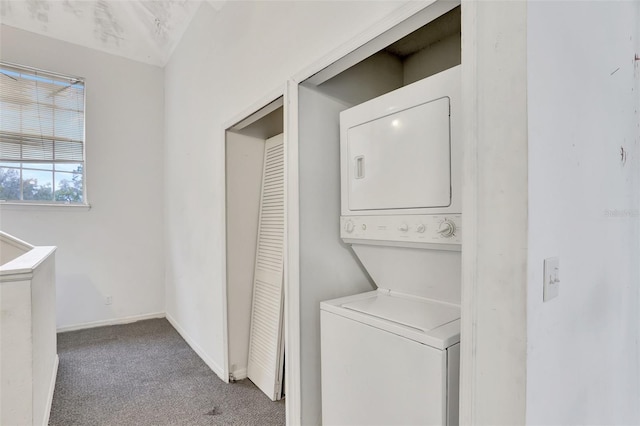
pixel 423 45
pixel 254 161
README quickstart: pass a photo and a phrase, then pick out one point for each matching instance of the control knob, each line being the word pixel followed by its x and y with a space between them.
pixel 421 228
pixel 349 226
pixel 404 227
pixel 447 228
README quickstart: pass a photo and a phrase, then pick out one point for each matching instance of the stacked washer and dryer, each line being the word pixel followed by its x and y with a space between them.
pixel 391 356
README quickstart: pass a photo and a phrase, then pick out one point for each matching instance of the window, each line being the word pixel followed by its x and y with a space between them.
pixel 41 136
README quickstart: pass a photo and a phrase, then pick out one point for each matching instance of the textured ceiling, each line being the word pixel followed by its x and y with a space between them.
pixel 145 31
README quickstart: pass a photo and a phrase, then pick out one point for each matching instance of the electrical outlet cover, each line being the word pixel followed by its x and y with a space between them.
pixel 551 278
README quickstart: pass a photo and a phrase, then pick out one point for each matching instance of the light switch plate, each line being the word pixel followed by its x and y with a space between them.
pixel 551 278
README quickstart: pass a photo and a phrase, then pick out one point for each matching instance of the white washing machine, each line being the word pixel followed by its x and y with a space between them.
pixel 389 359
pixel 391 356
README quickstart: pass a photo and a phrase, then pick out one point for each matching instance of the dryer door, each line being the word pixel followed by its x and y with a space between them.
pixel 401 160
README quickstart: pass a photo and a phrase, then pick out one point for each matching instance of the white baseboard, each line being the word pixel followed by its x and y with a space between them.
pixel 115 321
pixel 52 386
pixel 239 374
pixel 197 349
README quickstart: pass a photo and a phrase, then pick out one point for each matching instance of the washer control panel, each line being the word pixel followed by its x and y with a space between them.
pixel 433 229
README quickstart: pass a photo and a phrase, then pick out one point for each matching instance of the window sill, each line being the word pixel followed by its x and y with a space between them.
pixel 7 205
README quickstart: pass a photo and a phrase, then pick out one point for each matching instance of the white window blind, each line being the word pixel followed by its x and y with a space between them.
pixel 41 135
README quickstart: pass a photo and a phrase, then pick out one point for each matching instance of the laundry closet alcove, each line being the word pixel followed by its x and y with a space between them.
pixel 426 43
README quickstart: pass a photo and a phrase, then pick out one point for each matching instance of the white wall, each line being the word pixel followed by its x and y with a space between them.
pixel 116 247
pixel 433 59
pixel 378 74
pixel 227 61
pixel 583 353
pixel 494 206
pixel 328 268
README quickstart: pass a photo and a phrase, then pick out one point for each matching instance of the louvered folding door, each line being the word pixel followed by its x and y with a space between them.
pixel 266 346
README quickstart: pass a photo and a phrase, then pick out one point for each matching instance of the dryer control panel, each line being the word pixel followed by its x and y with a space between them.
pixel 414 229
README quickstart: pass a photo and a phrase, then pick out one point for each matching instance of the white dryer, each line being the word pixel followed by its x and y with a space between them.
pixel 391 356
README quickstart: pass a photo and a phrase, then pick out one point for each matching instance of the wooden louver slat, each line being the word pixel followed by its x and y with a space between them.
pixel 265 347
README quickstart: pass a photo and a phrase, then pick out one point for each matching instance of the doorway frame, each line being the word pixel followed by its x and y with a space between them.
pixel 252 113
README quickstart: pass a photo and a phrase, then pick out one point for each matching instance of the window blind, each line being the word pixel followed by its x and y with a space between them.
pixel 41 116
